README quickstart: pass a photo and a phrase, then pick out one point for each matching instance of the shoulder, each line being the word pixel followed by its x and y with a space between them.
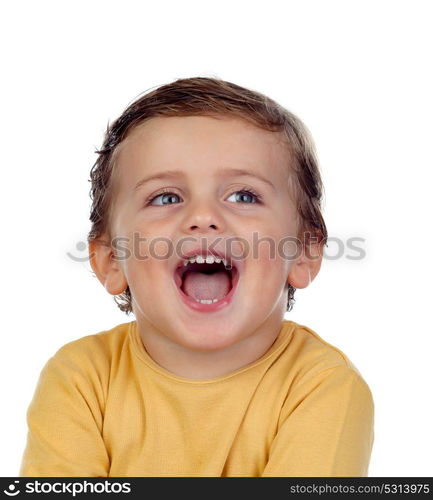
pixel 73 385
pixel 313 359
pixel 89 358
pixel 101 345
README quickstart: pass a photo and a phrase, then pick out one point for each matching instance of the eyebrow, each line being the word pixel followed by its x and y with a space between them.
pixel 226 172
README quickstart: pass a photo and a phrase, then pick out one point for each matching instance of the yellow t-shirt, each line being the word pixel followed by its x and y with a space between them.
pixel 104 408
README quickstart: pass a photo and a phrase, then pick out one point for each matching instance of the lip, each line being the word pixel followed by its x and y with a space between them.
pixel 215 306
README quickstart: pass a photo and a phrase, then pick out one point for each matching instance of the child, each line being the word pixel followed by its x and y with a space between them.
pixel 206 218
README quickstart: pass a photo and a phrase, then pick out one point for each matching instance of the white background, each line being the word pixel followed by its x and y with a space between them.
pixel 358 73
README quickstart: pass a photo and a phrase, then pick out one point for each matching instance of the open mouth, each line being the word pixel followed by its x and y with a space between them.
pixel 206 286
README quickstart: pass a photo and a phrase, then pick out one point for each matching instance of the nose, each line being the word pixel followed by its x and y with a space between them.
pixel 202 218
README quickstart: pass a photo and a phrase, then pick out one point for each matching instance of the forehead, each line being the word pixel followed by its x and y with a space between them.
pixel 195 135
pixel 187 142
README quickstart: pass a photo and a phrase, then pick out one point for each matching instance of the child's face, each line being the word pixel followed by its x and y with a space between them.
pixel 200 202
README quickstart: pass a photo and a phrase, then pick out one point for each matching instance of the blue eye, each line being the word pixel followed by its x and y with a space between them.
pixel 164 197
pixel 247 194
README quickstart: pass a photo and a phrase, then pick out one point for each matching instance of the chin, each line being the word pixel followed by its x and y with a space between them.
pixel 205 337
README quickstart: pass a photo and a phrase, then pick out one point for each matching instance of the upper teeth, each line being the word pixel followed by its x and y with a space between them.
pixel 209 259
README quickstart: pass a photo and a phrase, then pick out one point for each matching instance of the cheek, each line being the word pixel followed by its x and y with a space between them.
pixel 271 260
pixel 143 247
pixel 146 280
pixel 288 250
pixel 276 249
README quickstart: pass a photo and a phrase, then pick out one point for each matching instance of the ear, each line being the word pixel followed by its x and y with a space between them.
pixel 306 266
pixel 106 267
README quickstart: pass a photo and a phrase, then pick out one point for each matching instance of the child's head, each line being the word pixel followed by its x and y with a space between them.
pixel 201 128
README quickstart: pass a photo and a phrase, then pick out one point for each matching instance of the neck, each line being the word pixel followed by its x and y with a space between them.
pixel 201 364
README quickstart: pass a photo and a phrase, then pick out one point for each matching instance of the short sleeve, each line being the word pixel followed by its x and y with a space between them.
pixel 327 429
pixel 65 419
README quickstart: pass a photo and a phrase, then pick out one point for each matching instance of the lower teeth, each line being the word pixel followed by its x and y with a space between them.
pixel 206 301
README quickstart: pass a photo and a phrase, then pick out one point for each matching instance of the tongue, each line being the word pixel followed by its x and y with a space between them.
pixel 206 286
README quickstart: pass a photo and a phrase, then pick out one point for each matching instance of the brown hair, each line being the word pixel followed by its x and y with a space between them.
pixel 210 96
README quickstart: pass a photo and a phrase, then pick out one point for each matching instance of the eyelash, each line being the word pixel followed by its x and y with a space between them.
pixel 243 190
